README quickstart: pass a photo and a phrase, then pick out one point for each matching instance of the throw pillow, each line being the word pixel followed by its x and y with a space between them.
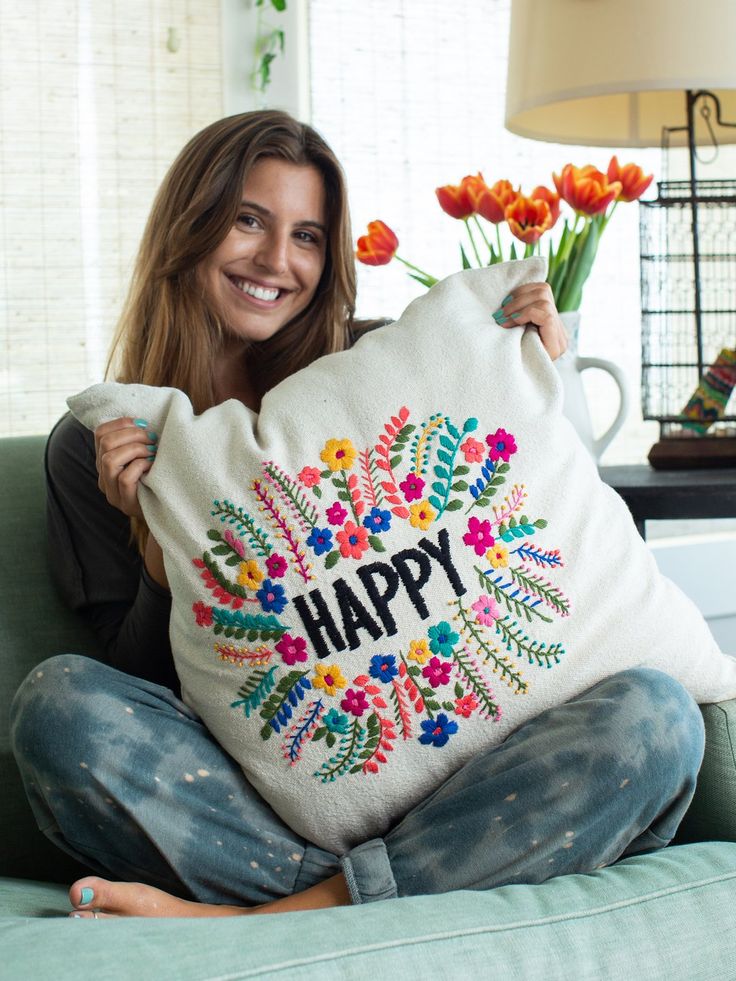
pixel 406 555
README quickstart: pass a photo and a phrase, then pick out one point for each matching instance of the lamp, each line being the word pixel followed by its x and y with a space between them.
pixel 633 73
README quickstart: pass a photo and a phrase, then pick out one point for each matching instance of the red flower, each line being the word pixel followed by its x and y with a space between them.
pixel 528 219
pixel 631 177
pixel 354 702
pixel 586 189
pixel 502 445
pixel 292 649
pixel 276 566
pixel 353 540
pixel 492 202
pixel 202 613
pixel 455 199
pixel 309 476
pixel 542 193
pixel 379 246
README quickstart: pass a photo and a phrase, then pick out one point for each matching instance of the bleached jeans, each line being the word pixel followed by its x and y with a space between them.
pixel 122 775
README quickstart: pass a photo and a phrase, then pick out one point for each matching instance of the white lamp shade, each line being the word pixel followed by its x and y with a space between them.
pixel 614 72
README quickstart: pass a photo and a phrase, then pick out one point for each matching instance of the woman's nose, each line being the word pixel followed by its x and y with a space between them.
pixel 273 253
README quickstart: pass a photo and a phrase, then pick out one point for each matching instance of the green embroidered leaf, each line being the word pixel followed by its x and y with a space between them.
pixel 435 502
pixel 540 523
pixel 454 505
pixel 460 485
pixel 233 560
pixel 331 739
pixel 317 491
pixel 376 543
pixel 343 495
pixel 214 536
pixel 448 706
pixel 447 442
pixel 332 559
pixel 503 467
pixel 395 461
pixel 481 502
pixel 459 690
pixel 438 488
pixel 445 458
pixel 470 425
pixel 462 470
pixel 452 430
pixel 432 705
pixel 441 472
pixel 413 670
pixel 221 550
pixel 325 473
pixel 319 733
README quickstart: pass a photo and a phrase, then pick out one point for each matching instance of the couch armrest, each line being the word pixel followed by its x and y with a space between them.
pixel 712 814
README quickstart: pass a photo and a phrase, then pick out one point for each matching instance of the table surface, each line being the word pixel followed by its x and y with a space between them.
pixel 655 495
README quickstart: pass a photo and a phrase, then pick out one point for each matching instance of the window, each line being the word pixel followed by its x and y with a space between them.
pixel 96 99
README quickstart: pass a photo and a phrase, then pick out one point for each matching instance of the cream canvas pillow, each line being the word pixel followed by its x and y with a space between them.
pixel 406 555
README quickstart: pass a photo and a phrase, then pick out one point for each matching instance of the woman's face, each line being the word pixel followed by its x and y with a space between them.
pixel 268 267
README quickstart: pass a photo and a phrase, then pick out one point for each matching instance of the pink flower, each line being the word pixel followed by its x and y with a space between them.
pixel 353 540
pixel 276 566
pixel 502 445
pixel 292 649
pixel 466 705
pixel 437 672
pixel 412 487
pixel 235 543
pixel 309 476
pixel 487 610
pixel 336 513
pixel 473 450
pixel 202 613
pixel 354 702
pixel 478 535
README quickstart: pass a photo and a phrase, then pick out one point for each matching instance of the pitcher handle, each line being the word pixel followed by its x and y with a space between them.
pixel 600 444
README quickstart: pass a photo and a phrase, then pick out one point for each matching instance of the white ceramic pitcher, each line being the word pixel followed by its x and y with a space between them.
pixel 570 367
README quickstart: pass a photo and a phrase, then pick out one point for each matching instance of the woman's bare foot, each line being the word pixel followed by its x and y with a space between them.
pixel 95 898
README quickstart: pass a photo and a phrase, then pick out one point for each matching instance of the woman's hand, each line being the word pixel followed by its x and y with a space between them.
pixel 534 304
pixel 125 450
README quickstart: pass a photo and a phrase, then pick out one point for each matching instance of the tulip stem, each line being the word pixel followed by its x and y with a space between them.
pixel 430 280
pixel 498 240
pixel 485 237
pixel 472 242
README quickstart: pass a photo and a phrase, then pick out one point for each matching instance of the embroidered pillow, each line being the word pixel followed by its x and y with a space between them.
pixel 406 555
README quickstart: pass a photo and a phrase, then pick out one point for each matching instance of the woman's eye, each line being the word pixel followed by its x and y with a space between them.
pixel 308 237
pixel 249 221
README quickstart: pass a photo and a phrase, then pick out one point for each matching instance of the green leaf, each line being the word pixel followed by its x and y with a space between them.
pixel 454 505
pixel 460 486
pixel 448 706
pixel 427 281
pixel 442 473
pixel 214 535
pixel 464 258
pixel 221 550
pixel 459 690
pixel 343 495
pixel 233 560
pixel 332 559
pixel 435 502
pixel 540 523
pixel 376 543
pixel 445 458
pixel 503 468
pixel 512 252
pixel 317 491
pixel 452 430
pixel 462 470
pixel 470 425
pixel 331 739
pixel 319 733
pixel 279 5
pixel 438 488
pixel 446 442
pixel 432 704
pixel 394 462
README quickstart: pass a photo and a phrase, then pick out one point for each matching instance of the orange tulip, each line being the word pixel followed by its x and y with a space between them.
pixel 455 200
pixel 586 189
pixel 490 202
pixel 631 177
pixel 528 219
pixel 542 193
pixel 379 246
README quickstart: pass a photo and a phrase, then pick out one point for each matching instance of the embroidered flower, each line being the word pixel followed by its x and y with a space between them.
pixel 502 445
pixel 478 535
pixel 235 543
pixel 339 454
pixel 309 476
pixel 336 722
pixel 473 450
pixel 276 566
pixel 466 705
pixel 353 540
pixel 249 574
pixel 419 651
pixel 378 520
pixel 329 677
pixel 437 672
pixel 383 667
pixel 437 731
pixel 355 702
pixel 336 513
pixel 202 613
pixel 320 539
pixel 442 638
pixel 272 597
pixel 498 556
pixel 412 487
pixel 422 515
pixel 487 610
pixel 292 649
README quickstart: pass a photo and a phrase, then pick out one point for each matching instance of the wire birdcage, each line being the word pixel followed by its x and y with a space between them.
pixel 688 298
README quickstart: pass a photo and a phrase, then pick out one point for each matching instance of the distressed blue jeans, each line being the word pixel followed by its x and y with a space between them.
pixel 122 775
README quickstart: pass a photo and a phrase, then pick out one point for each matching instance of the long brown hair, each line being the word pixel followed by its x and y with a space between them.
pixel 168 333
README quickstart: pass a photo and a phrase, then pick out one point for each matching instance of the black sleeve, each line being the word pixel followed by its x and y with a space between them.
pixel 96 565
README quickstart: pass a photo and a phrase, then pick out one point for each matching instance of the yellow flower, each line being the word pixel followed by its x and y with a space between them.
pixel 339 454
pixel 249 575
pixel 422 515
pixel 498 556
pixel 329 677
pixel 419 651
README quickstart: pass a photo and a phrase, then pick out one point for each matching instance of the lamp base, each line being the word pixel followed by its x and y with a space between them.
pixel 674 453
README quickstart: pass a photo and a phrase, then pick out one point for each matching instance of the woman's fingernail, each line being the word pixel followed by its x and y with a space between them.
pixel 87 896
pixel 152 448
pixel 508 299
pixel 150 459
pixel 500 317
pixel 141 423
pixel 152 436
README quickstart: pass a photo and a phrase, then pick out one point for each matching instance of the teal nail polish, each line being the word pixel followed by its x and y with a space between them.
pixel 152 436
pixel 508 299
pixel 500 317
pixel 87 895
pixel 141 423
pixel 152 448
pixel 150 459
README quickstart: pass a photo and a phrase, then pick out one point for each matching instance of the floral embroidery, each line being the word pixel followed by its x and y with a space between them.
pixel 348 510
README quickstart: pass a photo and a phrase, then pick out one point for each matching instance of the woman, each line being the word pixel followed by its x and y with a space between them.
pixel 246 274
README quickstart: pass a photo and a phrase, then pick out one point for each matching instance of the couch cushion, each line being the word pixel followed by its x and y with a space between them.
pixel 406 555
pixel 669 915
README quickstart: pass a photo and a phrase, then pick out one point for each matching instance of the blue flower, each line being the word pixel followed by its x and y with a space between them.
pixel 383 667
pixel 437 731
pixel 336 722
pixel 320 539
pixel 272 597
pixel 442 639
pixel 377 520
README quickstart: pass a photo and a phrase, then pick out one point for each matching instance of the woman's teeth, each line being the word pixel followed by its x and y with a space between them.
pixel 259 292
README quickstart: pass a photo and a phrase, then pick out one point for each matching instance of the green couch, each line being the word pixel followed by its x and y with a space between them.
pixel 666 915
